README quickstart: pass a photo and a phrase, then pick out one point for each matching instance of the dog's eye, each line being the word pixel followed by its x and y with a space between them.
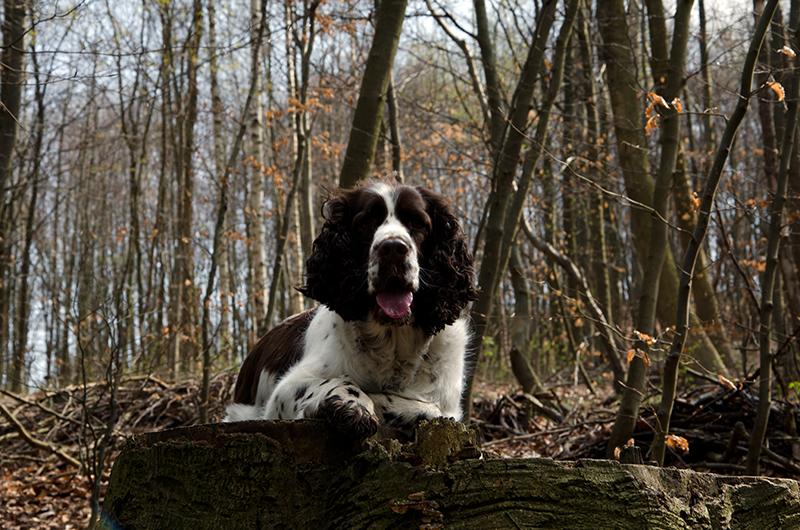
pixel 417 224
pixel 367 223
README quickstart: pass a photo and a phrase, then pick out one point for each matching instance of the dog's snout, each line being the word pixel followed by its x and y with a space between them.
pixel 393 251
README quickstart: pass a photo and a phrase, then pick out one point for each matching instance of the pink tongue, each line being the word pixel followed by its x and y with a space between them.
pixel 395 303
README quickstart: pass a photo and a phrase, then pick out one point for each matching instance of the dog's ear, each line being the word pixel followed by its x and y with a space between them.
pixel 332 276
pixel 450 274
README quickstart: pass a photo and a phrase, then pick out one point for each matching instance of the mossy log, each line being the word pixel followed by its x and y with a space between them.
pixel 304 475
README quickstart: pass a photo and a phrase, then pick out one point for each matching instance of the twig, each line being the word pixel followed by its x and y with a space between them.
pixel 541 408
pixel 40 406
pixel 559 430
pixel 33 441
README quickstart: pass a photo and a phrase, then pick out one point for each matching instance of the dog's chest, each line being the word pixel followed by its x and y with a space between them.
pixel 390 360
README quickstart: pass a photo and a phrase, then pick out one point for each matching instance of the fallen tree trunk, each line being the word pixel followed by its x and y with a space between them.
pixel 302 474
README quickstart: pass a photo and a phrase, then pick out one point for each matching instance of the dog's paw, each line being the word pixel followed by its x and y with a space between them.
pixel 403 414
pixel 349 417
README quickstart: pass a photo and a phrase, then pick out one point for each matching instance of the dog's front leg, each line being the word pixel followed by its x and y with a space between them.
pixel 338 400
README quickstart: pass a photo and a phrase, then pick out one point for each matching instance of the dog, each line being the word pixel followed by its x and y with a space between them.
pixel 393 273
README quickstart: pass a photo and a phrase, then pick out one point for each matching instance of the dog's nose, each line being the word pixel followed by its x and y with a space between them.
pixel 393 251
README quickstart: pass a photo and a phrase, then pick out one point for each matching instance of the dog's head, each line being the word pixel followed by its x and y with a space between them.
pixel 392 251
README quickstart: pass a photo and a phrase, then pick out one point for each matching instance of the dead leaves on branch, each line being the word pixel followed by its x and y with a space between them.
pixel 778 89
pixel 652 111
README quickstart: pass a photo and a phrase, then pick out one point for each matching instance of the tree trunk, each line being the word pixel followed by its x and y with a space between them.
pixel 224 332
pixel 306 213
pixel 23 300
pixel 302 474
pixel 629 132
pixel 690 258
pixel 597 224
pixel 705 76
pixel 508 197
pixel 705 296
pixel 659 236
pixel 12 75
pixel 494 98
pixel 521 326
pixel 394 128
pixel 775 211
pixel 189 292
pixel 368 116
pixel 289 218
pixel 256 248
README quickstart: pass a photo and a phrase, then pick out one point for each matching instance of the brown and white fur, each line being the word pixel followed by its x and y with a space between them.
pixel 393 273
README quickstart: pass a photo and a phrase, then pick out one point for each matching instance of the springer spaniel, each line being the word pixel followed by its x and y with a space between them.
pixel 393 272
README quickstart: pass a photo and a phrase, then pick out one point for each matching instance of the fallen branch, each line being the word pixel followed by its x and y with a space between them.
pixel 40 406
pixel 34 442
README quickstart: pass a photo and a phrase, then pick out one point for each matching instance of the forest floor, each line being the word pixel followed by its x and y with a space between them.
pixel 41 489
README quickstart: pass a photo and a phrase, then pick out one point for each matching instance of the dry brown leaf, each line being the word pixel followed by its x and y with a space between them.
pixel 658 99
pixel 631 355
pixel 652 124
pixel 727 382
pixel 778 88
pixel 695 201
pixel 677 442
pixel 647 339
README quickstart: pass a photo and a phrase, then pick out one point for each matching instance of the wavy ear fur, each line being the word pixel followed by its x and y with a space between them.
pixel 332 270
pixel 448 274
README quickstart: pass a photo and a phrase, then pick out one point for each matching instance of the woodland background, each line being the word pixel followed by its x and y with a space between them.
pixel 163 164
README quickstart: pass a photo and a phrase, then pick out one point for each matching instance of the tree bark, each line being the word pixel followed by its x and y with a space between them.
pixel 302 474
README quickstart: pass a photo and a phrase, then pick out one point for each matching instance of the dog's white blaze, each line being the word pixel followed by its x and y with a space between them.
pixel 391 228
